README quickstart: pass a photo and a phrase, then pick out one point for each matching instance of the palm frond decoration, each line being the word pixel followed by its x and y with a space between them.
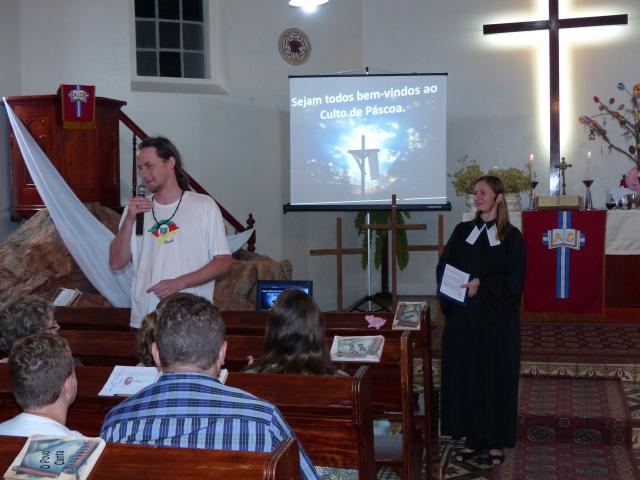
pixel 380 236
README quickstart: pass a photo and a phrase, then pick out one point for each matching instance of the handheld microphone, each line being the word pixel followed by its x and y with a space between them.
pixel 141 191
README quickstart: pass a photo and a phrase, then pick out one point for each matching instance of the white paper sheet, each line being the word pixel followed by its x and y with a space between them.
pixel 129 380
pixel 452 278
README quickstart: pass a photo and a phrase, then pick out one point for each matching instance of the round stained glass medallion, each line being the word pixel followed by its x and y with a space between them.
pixel 294 46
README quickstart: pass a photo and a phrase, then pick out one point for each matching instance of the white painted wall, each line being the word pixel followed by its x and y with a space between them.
pixel 494 102
pixel 9 85
pixel 237 145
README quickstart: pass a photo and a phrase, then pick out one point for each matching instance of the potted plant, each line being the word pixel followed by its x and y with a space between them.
pixel 465 176
pixel 515 180
pixel 464 179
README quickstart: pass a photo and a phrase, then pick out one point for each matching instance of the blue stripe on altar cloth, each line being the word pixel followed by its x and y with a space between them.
pixel 563 263
pixel 78 105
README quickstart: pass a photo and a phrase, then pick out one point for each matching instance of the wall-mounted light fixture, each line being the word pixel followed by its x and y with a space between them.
pixel 307 5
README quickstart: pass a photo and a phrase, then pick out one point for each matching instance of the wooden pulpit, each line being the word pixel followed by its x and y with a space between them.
pixel 88 159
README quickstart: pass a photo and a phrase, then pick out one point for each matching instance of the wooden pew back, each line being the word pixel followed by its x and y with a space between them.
pixel 132 462
pixel 331 416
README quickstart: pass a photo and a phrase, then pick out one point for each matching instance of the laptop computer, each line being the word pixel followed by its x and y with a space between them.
pixel 268 290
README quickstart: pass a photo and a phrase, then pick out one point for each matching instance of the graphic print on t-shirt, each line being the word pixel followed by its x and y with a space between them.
pixel 164 232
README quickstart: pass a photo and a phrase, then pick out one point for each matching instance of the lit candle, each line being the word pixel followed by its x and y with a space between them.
pixel 588 165
pixel 531 167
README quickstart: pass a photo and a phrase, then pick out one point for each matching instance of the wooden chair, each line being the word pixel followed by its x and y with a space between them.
pixel 330 415
pixel 131 462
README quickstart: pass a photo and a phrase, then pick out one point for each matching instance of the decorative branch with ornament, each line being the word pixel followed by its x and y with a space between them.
pixel 627 118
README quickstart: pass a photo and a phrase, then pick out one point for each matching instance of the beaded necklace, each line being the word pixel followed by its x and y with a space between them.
pixel 164 222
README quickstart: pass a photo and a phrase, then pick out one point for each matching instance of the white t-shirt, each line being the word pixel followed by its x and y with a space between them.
pixel 27 424
pixel 187 242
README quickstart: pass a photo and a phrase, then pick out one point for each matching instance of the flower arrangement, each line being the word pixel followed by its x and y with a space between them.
pixel 627 118
pixel 465 176
pixel 515 180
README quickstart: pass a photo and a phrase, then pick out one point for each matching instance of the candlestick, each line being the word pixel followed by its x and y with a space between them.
pixel 532 195
pixel 588 202
pixel 531 167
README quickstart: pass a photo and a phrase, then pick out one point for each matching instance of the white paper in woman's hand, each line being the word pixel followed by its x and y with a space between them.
pixel 452 278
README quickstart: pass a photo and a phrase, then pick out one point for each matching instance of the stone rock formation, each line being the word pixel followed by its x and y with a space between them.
pixel 34 260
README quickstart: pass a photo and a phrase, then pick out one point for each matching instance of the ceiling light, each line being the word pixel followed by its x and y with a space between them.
pixel 307 5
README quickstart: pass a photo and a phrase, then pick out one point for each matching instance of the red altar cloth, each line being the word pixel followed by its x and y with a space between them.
pixel 565 261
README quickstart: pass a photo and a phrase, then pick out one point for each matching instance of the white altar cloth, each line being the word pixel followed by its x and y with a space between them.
pixel 622 236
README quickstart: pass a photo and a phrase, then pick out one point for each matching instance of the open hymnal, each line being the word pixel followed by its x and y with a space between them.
pixel 357 349
pixel 408 316
pixel 65 297
pixel 130 380
pixel 452 278
pixel 64 458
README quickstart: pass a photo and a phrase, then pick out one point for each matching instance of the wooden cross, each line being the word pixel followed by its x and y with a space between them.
pixel 338 252
pixel 554 24
pixel 394 226
pixel 563 166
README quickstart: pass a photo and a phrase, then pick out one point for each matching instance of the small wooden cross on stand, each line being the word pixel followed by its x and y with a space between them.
pixel 563 166
pixel 338 252
pixel 394 226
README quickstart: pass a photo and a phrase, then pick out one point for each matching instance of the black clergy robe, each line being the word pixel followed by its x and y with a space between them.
pixel 481 338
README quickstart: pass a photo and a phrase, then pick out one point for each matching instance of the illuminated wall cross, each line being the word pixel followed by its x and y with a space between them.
pixel 554 24
pixel 360 156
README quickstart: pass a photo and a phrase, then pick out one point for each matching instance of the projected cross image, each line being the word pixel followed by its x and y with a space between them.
pixel 364 157
pixel 357 140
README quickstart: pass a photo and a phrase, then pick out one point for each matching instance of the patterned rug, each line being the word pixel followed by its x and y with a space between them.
pixel 573 410
pixel 569 429
pixel 573 349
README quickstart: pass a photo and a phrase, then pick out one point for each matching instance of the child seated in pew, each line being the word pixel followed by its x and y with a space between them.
pixel 22 317
pixel 145 337
pixel 43 382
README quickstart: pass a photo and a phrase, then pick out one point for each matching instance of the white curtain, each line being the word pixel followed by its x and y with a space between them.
pixel 84 236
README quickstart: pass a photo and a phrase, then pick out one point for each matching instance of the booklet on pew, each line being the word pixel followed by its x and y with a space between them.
pixel 64 458
pixel 65 297
pixel 408 316
pixel 357 349
pixel 130 380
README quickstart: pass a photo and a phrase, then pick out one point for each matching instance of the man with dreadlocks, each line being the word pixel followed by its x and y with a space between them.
pixel 183 246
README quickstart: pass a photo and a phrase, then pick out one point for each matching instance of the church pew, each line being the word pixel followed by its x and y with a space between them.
pixel 392 379
pixel 131 462
pixel 330 415
pixel 93 318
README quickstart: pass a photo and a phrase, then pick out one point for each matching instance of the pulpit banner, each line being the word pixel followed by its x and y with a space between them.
pixel 78 106
pixel 565 261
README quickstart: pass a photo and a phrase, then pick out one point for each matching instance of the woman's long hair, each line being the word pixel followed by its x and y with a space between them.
pixel 502 212
pixel 294 340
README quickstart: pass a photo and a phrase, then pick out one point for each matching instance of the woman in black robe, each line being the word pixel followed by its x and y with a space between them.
pixel 481 338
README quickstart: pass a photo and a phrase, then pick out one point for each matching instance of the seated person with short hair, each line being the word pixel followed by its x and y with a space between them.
pixel 22 317
pixel 43 382
pixel 188 406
